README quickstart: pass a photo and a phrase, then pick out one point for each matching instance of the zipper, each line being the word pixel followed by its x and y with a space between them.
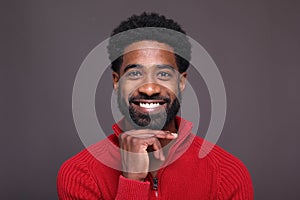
pixel 155 186
pixel 159 174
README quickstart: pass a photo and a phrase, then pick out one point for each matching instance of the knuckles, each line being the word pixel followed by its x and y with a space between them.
pixel 138 138
pixel 136 141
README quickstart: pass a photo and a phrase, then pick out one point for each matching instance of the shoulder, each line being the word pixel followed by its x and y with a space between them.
pixel 88 157
pixel 75 179
pixel 78 161
pixel 234 181
pixel 216 154
pixel 76 176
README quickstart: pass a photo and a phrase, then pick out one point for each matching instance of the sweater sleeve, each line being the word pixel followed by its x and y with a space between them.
pixel 131 189
pixel 74 181
pixel 234 181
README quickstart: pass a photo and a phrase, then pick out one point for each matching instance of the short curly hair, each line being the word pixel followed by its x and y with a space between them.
pixel 179 42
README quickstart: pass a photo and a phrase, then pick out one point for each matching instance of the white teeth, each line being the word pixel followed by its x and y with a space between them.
pixel 149 105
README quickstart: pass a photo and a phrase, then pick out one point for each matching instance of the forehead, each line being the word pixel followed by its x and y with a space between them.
pixel 149 53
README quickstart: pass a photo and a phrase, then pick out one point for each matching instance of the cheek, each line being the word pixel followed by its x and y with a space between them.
pixel 172 88
pixel 126 89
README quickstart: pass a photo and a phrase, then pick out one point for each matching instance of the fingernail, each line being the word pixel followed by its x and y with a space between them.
pixel 175 135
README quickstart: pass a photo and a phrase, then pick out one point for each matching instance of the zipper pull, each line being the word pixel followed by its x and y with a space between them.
pixel 155 186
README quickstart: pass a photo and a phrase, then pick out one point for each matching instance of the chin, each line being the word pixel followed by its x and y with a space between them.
pixel 148 121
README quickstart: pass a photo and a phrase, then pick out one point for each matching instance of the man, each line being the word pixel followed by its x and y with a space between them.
pixel 156 152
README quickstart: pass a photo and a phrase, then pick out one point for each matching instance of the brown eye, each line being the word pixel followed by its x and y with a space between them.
pixel 134 74
pixel 164 75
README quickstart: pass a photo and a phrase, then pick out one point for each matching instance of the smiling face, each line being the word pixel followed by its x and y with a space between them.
pixel 149 85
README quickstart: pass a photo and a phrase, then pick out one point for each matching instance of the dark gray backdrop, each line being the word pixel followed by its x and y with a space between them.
pixel 255 44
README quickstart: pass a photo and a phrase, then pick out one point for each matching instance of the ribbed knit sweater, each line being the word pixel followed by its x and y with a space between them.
pixel 94 173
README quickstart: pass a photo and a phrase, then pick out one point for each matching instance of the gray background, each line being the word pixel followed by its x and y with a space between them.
pixel 255 44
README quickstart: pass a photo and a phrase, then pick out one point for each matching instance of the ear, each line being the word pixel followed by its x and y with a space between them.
pixel 116 78
pixel 182 81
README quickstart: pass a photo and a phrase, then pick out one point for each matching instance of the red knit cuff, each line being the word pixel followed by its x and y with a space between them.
pixel 131 189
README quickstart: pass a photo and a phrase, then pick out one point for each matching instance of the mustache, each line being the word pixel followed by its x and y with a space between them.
pixel 146 97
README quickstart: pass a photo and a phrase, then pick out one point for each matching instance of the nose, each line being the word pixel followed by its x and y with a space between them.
pixel 150 89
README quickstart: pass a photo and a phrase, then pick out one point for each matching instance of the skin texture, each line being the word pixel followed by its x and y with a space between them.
pixel 148 74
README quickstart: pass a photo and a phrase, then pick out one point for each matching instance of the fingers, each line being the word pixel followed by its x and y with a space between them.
pixel 137 141
pixel 144 133
pixel 166 135
pixel 158 152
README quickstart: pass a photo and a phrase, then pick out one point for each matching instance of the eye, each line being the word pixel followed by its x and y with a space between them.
pixel 134 74
pixel 164 75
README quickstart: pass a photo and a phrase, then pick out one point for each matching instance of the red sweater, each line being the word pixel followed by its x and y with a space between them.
pixel 218 175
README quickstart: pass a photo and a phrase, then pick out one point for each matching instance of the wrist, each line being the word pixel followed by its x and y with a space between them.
pixel 134 176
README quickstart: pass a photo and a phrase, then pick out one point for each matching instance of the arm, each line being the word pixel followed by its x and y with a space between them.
pixel 132 189
pixel 75 182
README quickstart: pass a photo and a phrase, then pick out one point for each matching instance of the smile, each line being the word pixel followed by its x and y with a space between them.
pixel 149 105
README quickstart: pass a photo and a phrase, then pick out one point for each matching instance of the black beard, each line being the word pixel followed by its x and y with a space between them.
pixel 155 121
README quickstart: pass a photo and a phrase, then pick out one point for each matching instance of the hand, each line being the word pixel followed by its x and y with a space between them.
pixel 134 144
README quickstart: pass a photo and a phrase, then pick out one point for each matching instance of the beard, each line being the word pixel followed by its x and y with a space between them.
pixel 141 120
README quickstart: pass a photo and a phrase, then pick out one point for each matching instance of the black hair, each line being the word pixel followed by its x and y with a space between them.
pixel 180 43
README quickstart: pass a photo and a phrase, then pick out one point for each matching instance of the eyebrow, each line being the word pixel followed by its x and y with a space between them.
pixel 163 66
pixel 166 67
pixel 132 66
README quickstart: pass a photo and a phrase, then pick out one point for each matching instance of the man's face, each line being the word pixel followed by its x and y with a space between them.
pixel 149 85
